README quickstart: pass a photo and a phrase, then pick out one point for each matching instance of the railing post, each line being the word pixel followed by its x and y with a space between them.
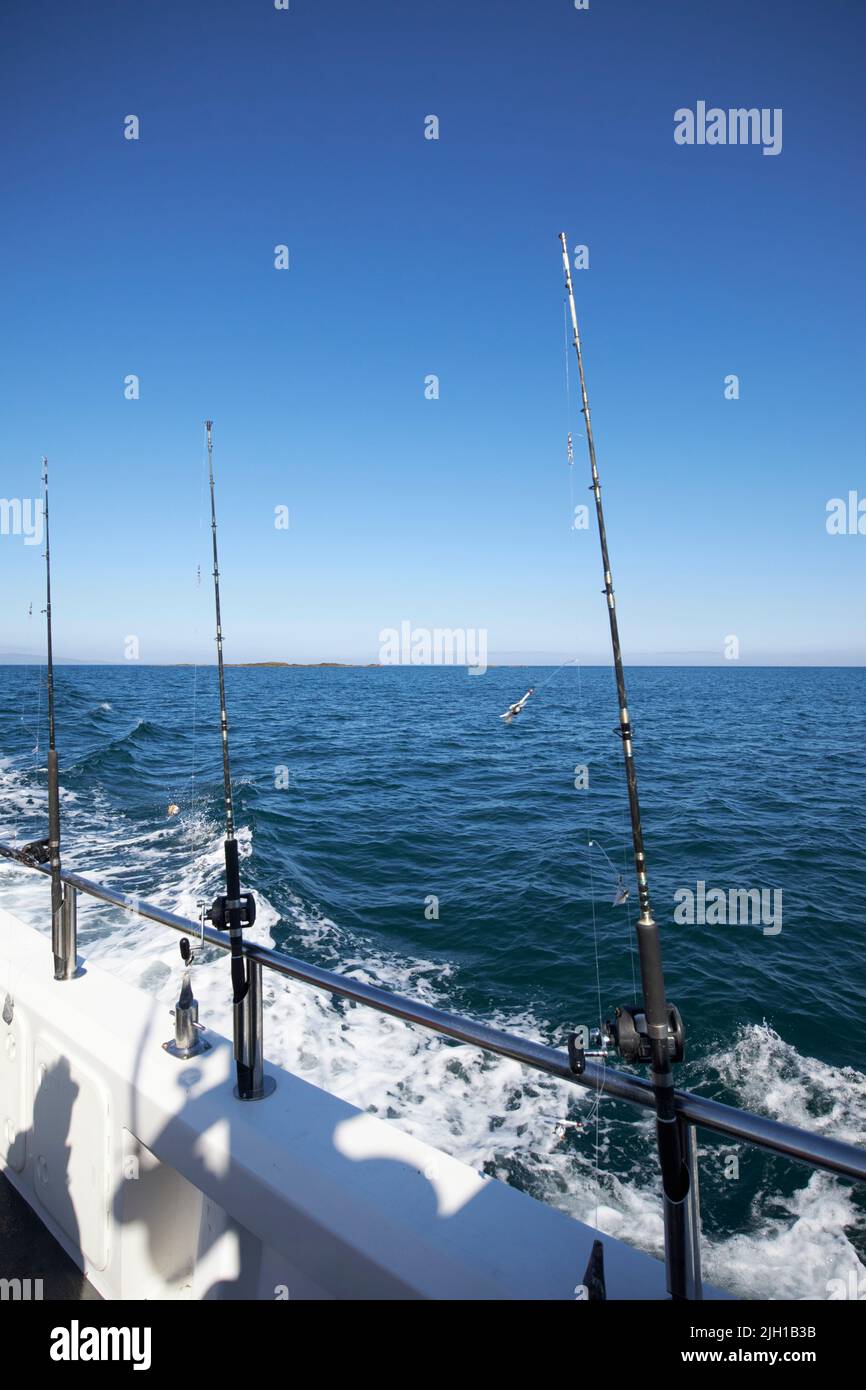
pixel 64 936
pixel 248 1046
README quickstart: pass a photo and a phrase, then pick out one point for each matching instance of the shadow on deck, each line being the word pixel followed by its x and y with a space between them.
pixel 28 1251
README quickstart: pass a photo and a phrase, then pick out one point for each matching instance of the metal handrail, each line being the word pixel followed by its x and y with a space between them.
pixel 833 1155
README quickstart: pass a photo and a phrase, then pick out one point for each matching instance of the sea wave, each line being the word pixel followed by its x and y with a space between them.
pixel 382 810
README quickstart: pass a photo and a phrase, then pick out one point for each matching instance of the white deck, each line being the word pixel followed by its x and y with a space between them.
pixel 160 1184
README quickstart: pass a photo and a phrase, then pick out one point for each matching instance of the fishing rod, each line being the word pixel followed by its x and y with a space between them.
pixel 53 782
pixel 232 911
pixel 63 903
pixel 654 1033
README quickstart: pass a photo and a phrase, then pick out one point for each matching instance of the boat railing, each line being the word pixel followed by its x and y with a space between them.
pixel 693 1111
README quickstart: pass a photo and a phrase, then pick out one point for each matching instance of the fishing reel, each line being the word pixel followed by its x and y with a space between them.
pixel 37 852
pixel 626 1034
pixel 219 911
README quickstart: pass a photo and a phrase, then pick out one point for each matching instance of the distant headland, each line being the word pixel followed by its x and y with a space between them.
pixel 349 665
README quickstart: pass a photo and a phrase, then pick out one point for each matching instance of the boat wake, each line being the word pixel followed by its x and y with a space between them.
pixel 555 1141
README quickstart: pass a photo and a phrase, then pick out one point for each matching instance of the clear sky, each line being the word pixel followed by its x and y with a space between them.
pixel 411 257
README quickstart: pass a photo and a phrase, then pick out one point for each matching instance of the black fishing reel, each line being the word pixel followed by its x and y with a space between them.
pixel 219 915
pixel 37 852
pixel 626 1034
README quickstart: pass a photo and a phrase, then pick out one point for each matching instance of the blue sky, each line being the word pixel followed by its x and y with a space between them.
pixel 411 257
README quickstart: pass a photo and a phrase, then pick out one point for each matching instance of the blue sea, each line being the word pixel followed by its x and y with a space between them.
pixel 393 827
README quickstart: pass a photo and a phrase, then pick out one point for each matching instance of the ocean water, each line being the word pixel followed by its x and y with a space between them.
pixel 364 794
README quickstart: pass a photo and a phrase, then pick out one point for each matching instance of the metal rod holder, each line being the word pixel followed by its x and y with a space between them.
pixel 185 1020
pixel 682 1222
pixel 188 1040
pixel 248 1028
pixel 683 1226
pixel 674 1216
pixel 64 936
pixel 689 1147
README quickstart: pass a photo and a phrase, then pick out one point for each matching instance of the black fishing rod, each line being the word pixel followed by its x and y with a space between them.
pixel 233 911
pixel 53 781
pixel 653 1034
pixel 63 904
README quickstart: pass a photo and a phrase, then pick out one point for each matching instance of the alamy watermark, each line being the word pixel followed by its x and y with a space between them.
pixel 846 517
pixel 713 907
pixel 851 1287
pixel 737 126
pixel 21 516
pixel 77 1343
pixel 437 646
pixel 21 1290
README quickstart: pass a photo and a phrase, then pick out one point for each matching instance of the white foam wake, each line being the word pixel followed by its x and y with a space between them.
pixel 486 1111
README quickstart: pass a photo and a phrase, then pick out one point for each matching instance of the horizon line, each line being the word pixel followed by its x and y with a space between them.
pixel 719 664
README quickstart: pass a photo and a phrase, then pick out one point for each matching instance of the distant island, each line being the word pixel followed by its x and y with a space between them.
pixel 348 665
pixel 301 665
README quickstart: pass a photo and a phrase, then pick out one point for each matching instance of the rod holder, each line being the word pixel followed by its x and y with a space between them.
pixel 248 1048
pixel 682 1222
pixel 689 1147
pixel 188 1040
pixel 64 936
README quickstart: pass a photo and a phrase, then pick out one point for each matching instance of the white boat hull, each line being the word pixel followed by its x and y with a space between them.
pixel 161 1185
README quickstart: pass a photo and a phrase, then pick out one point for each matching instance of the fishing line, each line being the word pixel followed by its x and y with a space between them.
pixel 570 661
pixel 621 891
pixel 26 698
pixel 601 1029
pixel 630 919
pixel 24 688
pixel 196 629
pixel 630 922
pixel 598 1141
pixel 598 979
pixel 570 453
pixel 198 820
pixel 570 444
pixel 38 706
pixel 595 1112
